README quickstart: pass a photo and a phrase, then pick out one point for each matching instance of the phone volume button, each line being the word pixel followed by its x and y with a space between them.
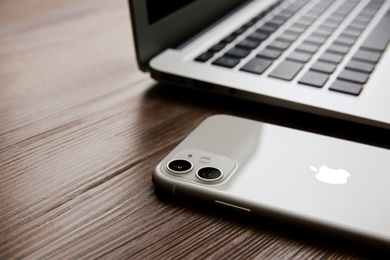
pixel 232 206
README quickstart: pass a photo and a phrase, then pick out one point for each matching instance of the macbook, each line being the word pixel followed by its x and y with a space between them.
pixel 327 57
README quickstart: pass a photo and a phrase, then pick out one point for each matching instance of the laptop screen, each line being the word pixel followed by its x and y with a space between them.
pixel 158 25
pixel 158 9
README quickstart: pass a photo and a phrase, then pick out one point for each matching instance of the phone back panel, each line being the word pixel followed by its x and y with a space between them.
pixel 270 169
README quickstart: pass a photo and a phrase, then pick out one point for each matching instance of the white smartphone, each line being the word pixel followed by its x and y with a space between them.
pixel 268 170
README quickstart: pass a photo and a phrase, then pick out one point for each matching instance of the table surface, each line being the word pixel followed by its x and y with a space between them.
pixel 82 129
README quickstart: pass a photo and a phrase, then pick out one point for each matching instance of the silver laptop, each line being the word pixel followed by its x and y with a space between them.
pixel 325 57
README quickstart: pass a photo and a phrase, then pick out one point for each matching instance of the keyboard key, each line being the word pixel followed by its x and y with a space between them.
pixel 320 35
pixel 323 29
pixel 323 4
pixel 283 16
pixel 366 55
pixel 301 25
pixel 330 25
pixel 257 65
pixel 278 45
pixel 277 21
pixel 297 29
pixel 314 79
pixel 308 47
pixel 280 18
pixel 248 44
pixel 353 76
pixel 369 11
pixel 286 70
pixel 229 38
pixel 288 31
pixel 340 13
pixel 359 24
pixel 316 39
pixel 380 35
pixel 258 36
pixel 204 57
pixel 239 31
pixel 352 33
pixel 272 24
pixel 218 47
pixel 299 56
pixel 346 40
pixel 341 49
pixel 337 16
pixel 287 37
pixel 302 20
pixel 360 66
pixel 324 67
pixel 346 87
pixel 260 16
pixel 332 22
pixel 272 7
pixel 365 18
pixel 238 52
pixel 226 62
pixel 331 57
pixel 249 24
pixel 346 35
pixel 269 54
pixel 268 28
pixel 287 12
pixel 343 9
pixel 355 29
pixel 308 19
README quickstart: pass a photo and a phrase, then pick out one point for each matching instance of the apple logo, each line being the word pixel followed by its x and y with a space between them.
pixel 331 176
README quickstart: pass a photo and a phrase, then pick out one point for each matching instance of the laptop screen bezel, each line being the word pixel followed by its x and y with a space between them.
pixel 151 39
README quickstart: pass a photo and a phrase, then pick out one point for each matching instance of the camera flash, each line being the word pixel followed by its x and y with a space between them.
pixel 205 160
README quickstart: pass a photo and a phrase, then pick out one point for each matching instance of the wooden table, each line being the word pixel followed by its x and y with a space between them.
pixel 81 129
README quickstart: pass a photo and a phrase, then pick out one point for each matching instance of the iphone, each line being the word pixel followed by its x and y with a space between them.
pixel 267 170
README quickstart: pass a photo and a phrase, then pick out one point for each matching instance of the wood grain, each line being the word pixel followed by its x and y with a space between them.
pixel 81 129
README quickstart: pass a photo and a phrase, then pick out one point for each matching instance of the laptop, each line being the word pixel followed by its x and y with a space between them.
pixel 327 57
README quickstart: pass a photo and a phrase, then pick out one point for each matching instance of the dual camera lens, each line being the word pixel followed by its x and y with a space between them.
pixel 205 173
pixel 180 166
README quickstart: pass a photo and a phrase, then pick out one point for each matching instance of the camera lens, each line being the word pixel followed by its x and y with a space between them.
pixel 179 166
pixel 209 174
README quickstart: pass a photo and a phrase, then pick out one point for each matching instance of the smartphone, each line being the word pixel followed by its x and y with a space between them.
pixel 267 170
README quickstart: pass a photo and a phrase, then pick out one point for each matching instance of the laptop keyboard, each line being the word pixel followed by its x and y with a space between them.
pixel 307 50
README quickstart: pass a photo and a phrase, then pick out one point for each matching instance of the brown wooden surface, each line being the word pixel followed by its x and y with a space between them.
pixel 81 129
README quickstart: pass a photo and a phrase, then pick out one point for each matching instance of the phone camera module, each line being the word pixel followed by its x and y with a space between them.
pixel 209 174
pixel 180 166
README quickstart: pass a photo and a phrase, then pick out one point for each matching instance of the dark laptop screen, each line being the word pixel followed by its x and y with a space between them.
pixel 158 9
pixel 158 24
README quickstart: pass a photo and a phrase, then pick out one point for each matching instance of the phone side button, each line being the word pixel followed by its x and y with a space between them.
pixel 232 206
